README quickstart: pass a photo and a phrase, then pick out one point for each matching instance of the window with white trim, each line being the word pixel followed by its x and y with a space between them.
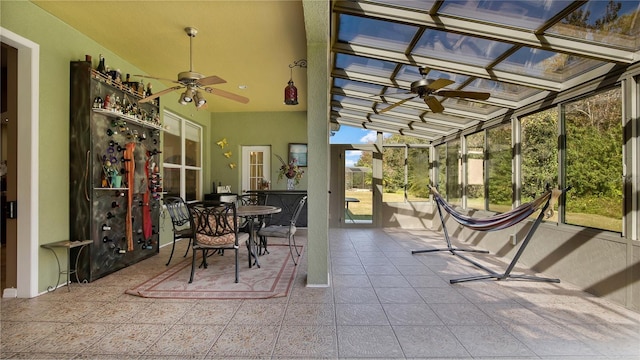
pixel 182 150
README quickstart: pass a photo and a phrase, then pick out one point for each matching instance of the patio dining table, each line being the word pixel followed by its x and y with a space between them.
pixel 251 212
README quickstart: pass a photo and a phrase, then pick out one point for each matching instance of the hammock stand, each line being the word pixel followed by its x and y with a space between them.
pixel 497 222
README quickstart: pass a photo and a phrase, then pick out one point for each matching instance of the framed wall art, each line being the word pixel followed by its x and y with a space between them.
pixel 298 152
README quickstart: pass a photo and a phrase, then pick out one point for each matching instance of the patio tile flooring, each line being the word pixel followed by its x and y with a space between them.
pixel 383 303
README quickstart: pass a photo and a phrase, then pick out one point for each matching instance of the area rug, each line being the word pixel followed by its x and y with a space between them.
pixel 273 278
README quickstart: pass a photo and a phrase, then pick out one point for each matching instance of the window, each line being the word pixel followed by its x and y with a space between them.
pixel 475 171
pixel 539 153
pixel 182 150
pixel 441 169
pixel 454 170
pixel 593 161
pixel 418 173
pixel 405 169
pixel 499 168
pixel 393 173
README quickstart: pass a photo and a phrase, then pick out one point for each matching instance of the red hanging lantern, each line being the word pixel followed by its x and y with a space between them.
pixel 291 94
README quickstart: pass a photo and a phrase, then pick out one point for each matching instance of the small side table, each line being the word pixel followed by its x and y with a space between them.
pixel 348 200
pixel 66 244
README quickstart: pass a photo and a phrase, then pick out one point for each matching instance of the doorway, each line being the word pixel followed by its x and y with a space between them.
pixel 8 165
pixel 355 197
pixel 26 170
pixel 256 168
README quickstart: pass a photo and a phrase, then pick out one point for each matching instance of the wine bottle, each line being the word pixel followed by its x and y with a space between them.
pixel 101 67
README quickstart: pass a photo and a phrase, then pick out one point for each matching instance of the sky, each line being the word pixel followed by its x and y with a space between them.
pixel 352 135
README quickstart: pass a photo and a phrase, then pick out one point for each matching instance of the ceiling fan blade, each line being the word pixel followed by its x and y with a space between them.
pixel 433 104
pixel 439 84
pixel 397 104
pixel 159 93
pixel 211 80
pixel 464 94
pixel 384 95
pixel 228 95
pixel 156 78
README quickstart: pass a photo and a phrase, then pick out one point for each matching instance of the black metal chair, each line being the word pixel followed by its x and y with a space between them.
pixel 181 221
pixel 215 228
pixel 258 222
pixel 287 232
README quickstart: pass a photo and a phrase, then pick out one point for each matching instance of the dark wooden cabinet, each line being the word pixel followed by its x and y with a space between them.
pixel 100 209
pixel 287 200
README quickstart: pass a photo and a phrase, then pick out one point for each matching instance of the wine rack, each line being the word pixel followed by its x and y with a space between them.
pixel 115 184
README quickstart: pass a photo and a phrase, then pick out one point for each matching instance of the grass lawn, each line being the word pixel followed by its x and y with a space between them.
pixel 363 210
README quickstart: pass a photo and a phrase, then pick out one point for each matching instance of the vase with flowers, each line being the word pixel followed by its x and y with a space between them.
pixel 291 171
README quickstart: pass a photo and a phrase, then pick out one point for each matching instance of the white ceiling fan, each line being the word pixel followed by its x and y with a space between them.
pixel 193 82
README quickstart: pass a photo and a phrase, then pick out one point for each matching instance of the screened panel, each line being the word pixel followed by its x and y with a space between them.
pixel 441 183
pixel 393 174
pixel 499 168
pixel 417 174
pixel 475 171
pixel 594 161
pixel 539 153
pixel 454 172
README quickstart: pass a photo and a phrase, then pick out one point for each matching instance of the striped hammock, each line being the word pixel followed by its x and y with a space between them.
pixel 504 220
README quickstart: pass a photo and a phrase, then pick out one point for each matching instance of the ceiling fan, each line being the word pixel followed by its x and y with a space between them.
pixel 427 89
pixel 193 82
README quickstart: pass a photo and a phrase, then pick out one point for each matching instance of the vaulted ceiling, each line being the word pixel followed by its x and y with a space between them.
pixel 518 51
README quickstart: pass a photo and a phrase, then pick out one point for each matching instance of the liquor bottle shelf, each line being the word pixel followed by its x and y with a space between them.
pixel 129 118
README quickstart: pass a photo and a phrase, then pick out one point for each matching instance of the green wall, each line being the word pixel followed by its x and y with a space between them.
pixel 59 44
pixel 276 129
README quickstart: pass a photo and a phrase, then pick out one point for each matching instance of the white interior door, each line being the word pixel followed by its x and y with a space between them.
pixel 256 167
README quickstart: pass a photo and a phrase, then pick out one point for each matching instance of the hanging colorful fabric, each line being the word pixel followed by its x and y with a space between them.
pixel 130 167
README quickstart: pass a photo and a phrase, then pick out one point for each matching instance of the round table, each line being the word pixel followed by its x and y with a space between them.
pixel 250 212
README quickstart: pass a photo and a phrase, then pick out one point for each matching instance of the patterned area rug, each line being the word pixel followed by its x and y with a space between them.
pixel 274 278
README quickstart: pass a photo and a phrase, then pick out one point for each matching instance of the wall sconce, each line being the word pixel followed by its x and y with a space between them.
pixel 291 92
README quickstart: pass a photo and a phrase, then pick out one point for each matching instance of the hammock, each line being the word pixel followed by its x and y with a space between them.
pixel 494 223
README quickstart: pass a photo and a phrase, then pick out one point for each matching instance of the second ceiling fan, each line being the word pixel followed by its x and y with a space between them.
pixel 428 89
pixel 193 82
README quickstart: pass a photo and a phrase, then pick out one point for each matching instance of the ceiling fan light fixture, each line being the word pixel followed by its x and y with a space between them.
pixel 183 100
pixel 188 95
pixel 199 99
pixel 291 91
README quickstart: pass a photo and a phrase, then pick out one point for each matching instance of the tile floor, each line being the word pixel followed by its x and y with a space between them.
pixel 384 303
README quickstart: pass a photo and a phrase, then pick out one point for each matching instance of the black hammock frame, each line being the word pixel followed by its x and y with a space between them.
pixel 493 223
